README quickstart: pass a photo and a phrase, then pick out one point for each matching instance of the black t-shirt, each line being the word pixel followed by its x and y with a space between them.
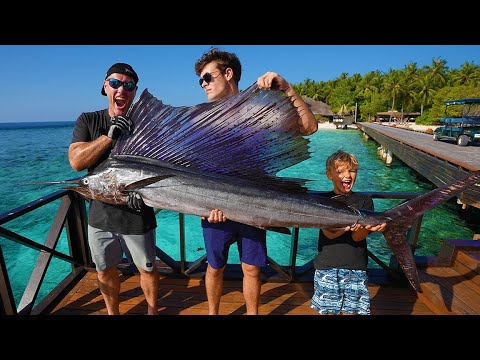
pixel 343 252
pixel 115 218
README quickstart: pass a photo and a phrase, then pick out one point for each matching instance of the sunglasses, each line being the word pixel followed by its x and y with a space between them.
pixel 207 77
pixel 127 85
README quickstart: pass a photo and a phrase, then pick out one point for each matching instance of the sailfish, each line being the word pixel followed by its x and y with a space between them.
pixel 226 155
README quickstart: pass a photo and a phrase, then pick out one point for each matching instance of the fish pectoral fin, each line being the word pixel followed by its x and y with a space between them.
pixel 281 230
pixel 145 182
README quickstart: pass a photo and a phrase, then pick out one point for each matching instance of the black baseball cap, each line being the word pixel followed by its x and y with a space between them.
pixel 121 68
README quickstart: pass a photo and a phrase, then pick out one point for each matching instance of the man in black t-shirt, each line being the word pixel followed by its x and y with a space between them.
pixel 94 136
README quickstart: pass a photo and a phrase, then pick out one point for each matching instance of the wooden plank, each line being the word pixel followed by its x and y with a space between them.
pixel 432 296
pixel 470 260
pixel 459 286
pixel 446 299
pixel 473 276
pixel 185 296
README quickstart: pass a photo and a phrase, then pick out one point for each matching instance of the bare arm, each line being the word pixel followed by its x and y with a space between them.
pixel 309 124
pixel 83 155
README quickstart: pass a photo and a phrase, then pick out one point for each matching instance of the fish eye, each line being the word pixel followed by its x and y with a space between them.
pixel 85 181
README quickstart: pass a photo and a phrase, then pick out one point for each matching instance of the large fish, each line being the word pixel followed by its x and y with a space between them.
pixel 173 187
pixel 225 155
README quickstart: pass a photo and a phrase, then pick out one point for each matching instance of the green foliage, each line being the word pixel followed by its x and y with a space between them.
pixel 369 109
pixel 437 111
pixel 410 89
pixel 424 119
pixel 321 118
pixel 341 95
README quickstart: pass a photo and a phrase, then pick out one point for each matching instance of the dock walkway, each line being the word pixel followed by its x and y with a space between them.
pixel 439 162
pixel 467 157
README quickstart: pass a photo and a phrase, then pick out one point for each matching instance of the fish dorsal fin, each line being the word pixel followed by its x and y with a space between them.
pixel 252 135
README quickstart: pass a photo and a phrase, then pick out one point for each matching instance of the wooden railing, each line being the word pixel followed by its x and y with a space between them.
pixel 72 216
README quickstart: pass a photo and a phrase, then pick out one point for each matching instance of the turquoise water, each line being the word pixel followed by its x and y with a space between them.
pixel 38 152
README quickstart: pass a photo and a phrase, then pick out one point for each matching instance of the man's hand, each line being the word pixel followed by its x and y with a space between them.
pixel 120 125
pixel 272 81
pixel 135 201
pixel 216 216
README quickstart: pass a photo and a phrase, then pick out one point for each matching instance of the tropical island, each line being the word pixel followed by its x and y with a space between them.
pixel 408 90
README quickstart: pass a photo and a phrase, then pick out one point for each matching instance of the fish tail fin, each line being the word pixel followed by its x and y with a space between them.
pixel 401 218
pixel 396 238
pixel 406 212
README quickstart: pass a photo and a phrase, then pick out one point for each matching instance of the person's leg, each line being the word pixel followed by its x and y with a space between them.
pixel 150 286
pixel 106 254
pixel 218 237
pixel 357 294
pixel 109 285
pixel 214 288
pixel 252 247
pixel 142 250
pixel 251 287
pixel 327 296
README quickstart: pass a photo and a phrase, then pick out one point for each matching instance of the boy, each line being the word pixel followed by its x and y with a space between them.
pixel 340 281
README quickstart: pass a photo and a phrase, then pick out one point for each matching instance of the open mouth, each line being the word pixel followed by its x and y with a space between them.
pixel 120 103
pixel 347 184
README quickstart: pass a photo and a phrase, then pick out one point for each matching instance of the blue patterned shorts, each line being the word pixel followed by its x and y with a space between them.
pixel 341 291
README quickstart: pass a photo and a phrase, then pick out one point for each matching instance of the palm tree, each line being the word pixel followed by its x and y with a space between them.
pixel 426 89
pixel 368 85
pixel 394 85
pixel 438 69
pixel 469 74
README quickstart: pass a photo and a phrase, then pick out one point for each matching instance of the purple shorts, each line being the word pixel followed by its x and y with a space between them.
pixel 251 243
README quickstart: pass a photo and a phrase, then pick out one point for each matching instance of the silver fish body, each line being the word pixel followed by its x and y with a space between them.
pixel 195 192
pixel 191 191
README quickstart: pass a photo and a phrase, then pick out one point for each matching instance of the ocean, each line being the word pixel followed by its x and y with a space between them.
pixel 38 152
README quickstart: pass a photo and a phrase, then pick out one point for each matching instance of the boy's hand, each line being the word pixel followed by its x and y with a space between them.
pixel 355 227
pixel 376 228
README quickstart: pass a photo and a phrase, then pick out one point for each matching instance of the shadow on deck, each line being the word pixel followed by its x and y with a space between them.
pixel 450 284
pixel 186 296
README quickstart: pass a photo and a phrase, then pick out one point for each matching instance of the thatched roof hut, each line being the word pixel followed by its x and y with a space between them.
pixel 318 107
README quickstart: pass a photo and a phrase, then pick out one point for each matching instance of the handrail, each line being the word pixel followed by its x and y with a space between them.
pixel 72 216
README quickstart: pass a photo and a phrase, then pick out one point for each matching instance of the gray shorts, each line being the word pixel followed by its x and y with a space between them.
pixel 107 252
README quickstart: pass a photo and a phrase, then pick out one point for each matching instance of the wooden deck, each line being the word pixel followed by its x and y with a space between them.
pixel 186 296
pixel 450 284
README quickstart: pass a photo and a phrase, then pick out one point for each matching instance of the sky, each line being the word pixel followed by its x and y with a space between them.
pixel 59 82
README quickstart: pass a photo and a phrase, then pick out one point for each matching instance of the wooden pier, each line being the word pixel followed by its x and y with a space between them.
pixel 450 284
pixel 439 162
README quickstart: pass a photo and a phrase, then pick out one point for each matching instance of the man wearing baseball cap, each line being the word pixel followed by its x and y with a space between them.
pixel 109 225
